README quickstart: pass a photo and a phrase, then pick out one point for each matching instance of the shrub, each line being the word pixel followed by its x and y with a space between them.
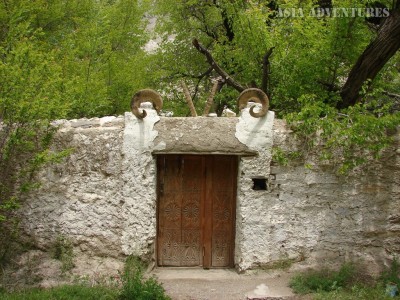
pixel 324 280
pixel 355 293
pixel 392 274
pixel 63 251
pixel 136 287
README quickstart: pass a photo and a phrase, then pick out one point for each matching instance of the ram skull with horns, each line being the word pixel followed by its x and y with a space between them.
pixel 255 95
pixel 145 95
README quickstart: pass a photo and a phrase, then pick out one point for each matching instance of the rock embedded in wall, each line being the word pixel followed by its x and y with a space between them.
pixel 200 135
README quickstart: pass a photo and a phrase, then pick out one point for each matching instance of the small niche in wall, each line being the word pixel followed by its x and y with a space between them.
pixel 259 184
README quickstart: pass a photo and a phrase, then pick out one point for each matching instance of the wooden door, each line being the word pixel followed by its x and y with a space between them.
pixel 196 210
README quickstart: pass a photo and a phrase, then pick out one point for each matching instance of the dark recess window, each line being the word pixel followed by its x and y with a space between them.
pixel 259 184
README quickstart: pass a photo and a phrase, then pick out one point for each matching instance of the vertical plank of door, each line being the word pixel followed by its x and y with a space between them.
pixel 224 172
pixel 192 195
pixel 169 212
pixel 235 170
pixel 207 217
pixel 160 184
pixel 203 213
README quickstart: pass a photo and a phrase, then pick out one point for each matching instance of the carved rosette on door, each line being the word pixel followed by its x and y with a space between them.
pixel 196 210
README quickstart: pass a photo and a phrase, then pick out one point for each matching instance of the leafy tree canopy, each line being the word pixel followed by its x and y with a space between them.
pixel 310 55
pixel 69 58
pixel 298 54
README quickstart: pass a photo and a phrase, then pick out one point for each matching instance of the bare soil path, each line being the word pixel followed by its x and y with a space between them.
pixel 217 284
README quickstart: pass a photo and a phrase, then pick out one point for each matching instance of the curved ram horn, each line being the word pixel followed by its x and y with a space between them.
pixel 257 96
pixel 144 96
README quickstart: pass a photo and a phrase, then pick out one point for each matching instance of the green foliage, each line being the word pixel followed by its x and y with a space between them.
pixel 70 58
pixel 348 138
pixel 134 284
pixel 365 291
pixel 392 273
pixel 8 205
pixel 348 283
pixel 280 156
pixel 65 292
pixel 309 55
pixel 324 280
pixel 355 293
pixel 63 251
pixel 136 287
pixel 283 157
pixel 24 148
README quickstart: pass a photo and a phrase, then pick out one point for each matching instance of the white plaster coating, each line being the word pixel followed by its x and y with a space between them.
pixel 147 105
pixel 256 133
pixel 139 177
pixel 139 134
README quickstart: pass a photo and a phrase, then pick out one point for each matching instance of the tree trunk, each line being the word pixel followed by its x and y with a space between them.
pixel 217 84
pixel 372 60
pixel 188 99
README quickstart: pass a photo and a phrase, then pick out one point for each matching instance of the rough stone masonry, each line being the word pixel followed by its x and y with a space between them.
pixel 103 196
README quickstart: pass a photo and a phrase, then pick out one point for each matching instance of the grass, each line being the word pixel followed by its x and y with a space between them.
pixel 355 293
pixel 66 292
pixel 324 280
pixel 347 283
pixel 134 286
pixel 392 274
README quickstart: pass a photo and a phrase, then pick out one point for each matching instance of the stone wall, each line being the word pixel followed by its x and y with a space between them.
pixel 103 196
pixel 312 214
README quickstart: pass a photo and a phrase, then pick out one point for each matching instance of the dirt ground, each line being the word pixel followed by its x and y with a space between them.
pixel 217 284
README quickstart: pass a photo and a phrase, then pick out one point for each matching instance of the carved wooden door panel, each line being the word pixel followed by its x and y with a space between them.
pixel 221 192
pixel 179 211
pixel 196 210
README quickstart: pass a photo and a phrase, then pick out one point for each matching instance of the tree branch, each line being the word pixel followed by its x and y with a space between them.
pixel 392 95
pixel 266 71
pixel 187 75
pixel 200 78
pixel 230 34
pixel 330 87
pixel 229 80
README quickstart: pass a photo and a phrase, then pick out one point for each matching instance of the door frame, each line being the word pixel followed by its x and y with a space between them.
pixel 206 223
